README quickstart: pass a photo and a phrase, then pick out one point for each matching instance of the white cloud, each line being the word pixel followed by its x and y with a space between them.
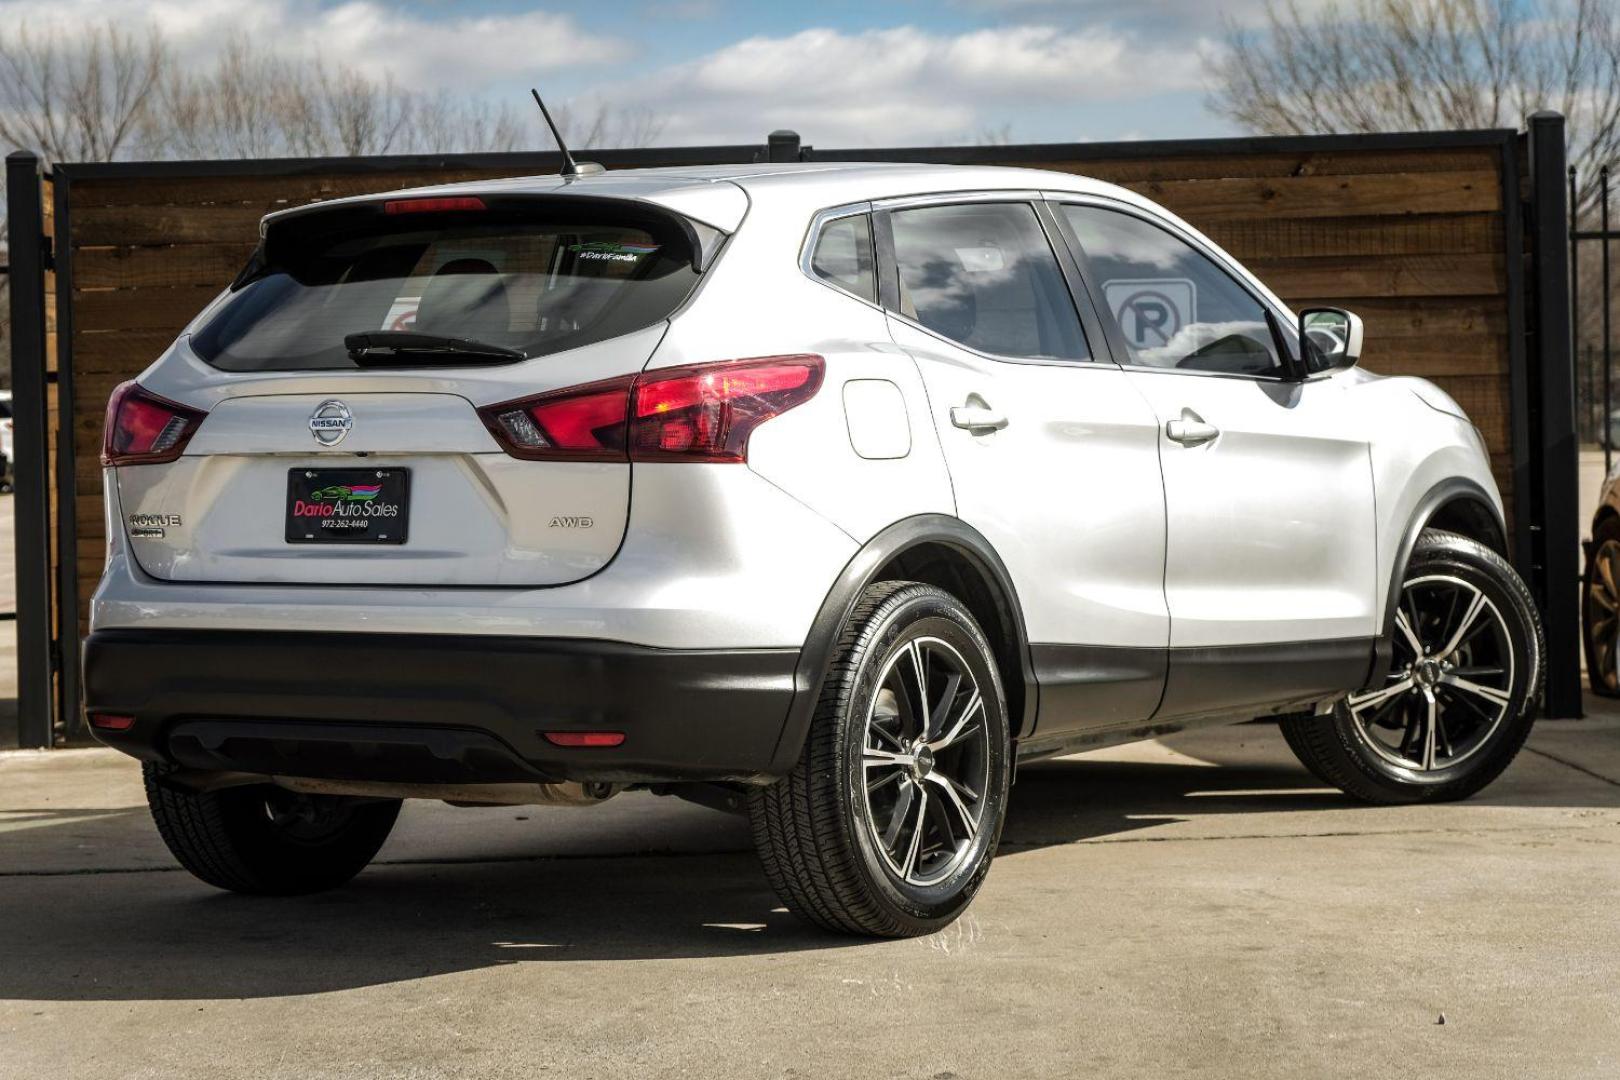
pixel 467 53
pixel 1161 19
pixel 901 85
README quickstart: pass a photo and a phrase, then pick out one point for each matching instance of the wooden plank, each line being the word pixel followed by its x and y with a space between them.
pixel 213 265
pixel 1457 317
pixel 1395 194
pixel 1216 167
pixel 1354 276
pixel 1428 234
pixel 112 226
pixel 166 309
pixel 123 353
pixel 266 193
pixel 1429 357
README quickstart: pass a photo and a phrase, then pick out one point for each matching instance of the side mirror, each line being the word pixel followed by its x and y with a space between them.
pixel 1329 339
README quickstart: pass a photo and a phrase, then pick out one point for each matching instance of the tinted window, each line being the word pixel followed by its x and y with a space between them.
pixel 983 274
pixel 843 256
pixel 1175 307
pixel 514 279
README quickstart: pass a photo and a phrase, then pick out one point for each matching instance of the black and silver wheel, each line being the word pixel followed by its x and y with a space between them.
pixel 888 823
pixel 262 839
pixel 1600 608
pixel 1458 701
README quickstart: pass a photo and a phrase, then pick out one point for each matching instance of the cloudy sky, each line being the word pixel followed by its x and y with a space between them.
pixel 841 72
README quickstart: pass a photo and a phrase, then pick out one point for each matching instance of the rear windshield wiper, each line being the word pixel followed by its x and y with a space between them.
pixel 376 348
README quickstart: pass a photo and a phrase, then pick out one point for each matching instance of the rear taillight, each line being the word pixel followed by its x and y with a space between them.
pixel 706 413
pixel 144 429
pixel 583 423
pixel 701 413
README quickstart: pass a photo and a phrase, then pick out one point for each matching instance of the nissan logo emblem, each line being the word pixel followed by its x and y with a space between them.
pixel 331 422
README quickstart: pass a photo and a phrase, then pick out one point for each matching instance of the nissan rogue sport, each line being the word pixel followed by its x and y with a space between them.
pixel 829 491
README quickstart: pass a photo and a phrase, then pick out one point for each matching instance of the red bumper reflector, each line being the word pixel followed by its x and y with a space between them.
pixel 584 738
pixel 111 721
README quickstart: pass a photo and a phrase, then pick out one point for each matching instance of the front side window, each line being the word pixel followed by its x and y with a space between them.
pixel 1175 307
pixel 843 256
pixel 983 274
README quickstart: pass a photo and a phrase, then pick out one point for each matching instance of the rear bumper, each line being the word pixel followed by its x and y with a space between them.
pixel 438 708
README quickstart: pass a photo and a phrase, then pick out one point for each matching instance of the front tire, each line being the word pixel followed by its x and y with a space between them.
pixel 888 823
pixel 264 840
pixel 1460 697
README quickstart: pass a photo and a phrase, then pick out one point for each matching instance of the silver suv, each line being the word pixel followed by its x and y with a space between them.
pixel 828 492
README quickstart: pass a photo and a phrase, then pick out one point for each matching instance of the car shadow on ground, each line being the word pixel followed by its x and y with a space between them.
pixel 162 935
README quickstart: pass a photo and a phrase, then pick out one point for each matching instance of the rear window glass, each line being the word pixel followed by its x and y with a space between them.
pixel 508 278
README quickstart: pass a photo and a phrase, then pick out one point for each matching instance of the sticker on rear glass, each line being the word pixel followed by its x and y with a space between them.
pixel 603 251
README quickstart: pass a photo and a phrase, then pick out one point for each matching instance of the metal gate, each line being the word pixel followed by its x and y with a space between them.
pixel 1592 313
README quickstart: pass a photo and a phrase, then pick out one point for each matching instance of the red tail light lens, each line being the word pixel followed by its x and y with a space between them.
pixel 706 413
pixel 583 423
pixel 432 205
pixel 701 413
pixel 144 429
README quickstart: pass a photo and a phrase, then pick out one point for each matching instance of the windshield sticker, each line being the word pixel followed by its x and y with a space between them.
pixel 610 252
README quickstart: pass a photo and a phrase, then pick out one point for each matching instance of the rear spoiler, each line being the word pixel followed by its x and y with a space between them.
pixel 361 215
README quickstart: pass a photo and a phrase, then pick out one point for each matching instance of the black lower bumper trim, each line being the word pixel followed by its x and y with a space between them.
pixel 437 708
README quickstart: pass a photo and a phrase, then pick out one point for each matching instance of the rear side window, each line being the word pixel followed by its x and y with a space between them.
pixel 984 275
pixel 532 280
pixel 1175 307
pixel 843 256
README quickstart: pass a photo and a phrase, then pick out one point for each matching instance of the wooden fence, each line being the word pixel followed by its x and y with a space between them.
pixel 1423 235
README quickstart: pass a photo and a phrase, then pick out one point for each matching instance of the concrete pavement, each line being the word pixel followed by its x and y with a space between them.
pixel 1190 908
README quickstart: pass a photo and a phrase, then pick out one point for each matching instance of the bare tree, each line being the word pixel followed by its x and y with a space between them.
pixel 82 98
pixel 601 125
pixel 1393 65
pixel 994 135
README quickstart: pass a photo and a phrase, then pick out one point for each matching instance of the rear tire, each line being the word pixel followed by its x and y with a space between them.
pixel 1460 698
pixel 887 825
pixel 264 840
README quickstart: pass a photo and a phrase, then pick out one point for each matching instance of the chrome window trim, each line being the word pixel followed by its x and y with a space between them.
pixel 1021 196
pixel 1241 276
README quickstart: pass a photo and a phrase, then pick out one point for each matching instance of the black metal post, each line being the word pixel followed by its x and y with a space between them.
pixel 1559 464
pixel 1608 357
pixel 782 146
pixel 31 501
pixel 1584 372
pixel 67 469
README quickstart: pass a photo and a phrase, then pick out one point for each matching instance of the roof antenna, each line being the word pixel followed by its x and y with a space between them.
pixel 570 169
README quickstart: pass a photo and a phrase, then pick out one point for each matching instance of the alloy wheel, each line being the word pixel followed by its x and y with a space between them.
pixel 1603 613
pixel 1451 681
pixel 925 762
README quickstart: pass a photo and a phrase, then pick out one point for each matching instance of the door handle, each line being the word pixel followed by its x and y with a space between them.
pixel 1190 430
pixel 977 418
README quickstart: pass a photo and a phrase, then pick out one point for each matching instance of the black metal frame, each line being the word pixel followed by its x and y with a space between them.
pixel 1555 529
pixel 1541 366
pixel 31 499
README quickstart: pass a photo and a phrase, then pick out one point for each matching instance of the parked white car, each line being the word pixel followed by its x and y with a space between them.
pixel 7 455
pixel 828 490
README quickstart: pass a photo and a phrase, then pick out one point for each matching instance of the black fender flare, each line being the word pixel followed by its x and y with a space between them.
pixel 816 657
pixel 1446 492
